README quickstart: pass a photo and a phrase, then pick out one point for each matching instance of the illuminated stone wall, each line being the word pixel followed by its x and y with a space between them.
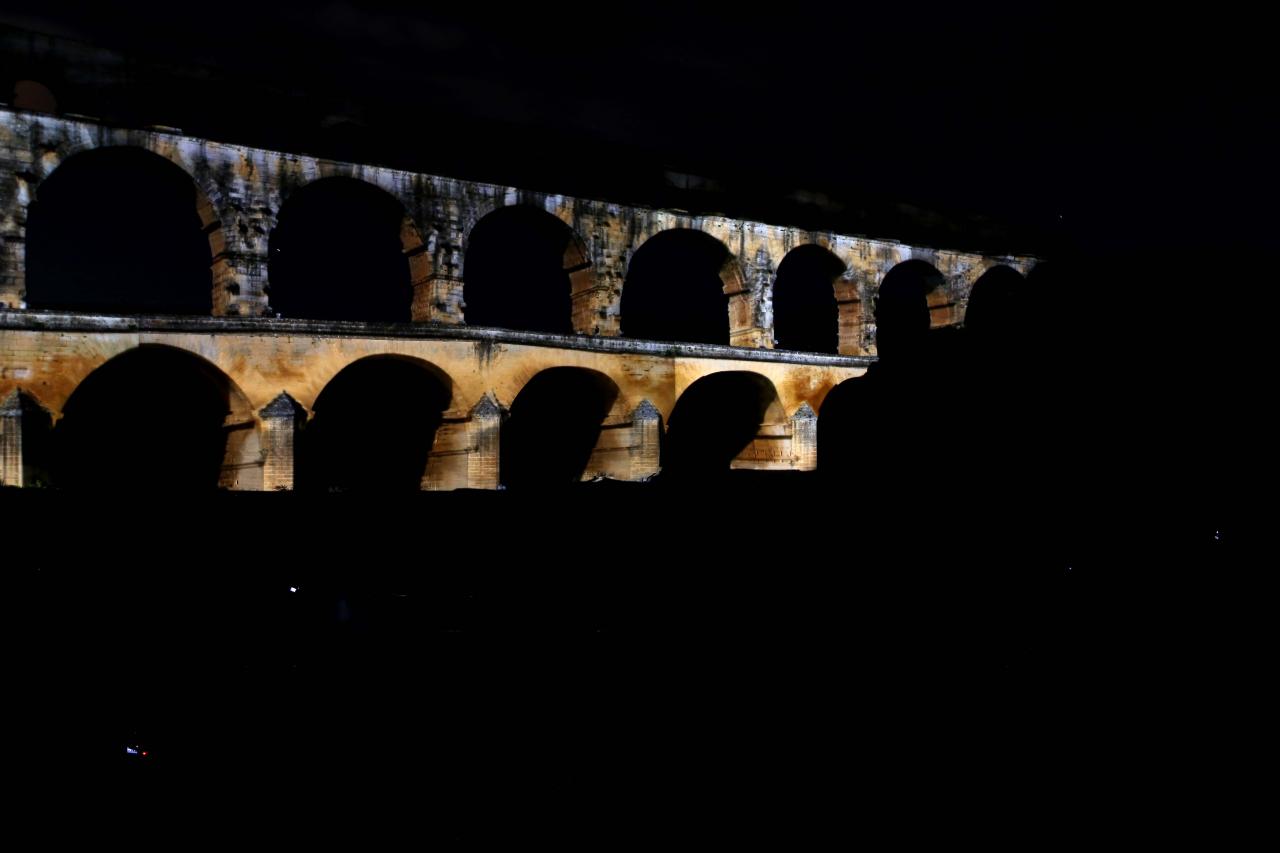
pixel 242 190
pixel 276 369
pixel 48 355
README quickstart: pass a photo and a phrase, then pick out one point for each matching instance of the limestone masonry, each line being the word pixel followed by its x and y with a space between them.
pixel 275 369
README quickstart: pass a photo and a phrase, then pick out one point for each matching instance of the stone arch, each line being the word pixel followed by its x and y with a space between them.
pixel 317 381
pixel 915 285
pixel 50 157
pixel 555 429
pixel 555 272
pixel 157 417
pixel 807 311
pixel 46 158
pixel 374 426
pixel 61 260
pixel 931 282
pixel 727 419
pixel 343 248
pixel 701 273
pixel 992 292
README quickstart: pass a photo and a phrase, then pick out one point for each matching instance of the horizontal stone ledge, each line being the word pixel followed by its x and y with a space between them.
pixel 69 321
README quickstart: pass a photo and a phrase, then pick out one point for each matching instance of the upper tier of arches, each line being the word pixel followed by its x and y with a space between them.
pixel 108 220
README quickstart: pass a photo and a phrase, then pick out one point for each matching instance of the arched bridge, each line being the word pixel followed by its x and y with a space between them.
pixel 185 312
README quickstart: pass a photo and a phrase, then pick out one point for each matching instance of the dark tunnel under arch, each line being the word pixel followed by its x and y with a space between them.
pixel 517 271
pixel 919 276
pixel 153 418
pixel 374 426
pixel 336 253
pixel 997 303
pixel 903 312
pixel 119 230
pixel 554 424
pixel 674 289
pixel 713 421
pixel 805 314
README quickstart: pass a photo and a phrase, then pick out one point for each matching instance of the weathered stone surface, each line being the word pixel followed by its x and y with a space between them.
pixel 805 413
pixel 804 438
pixel 241 191
pixel 11 469
pixel 54 352
pixel 276 369
pixel 483 453
pixel 646 411
pixel 282 407
pixel 279 427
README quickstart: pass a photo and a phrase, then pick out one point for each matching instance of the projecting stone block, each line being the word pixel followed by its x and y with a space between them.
pixel 646 441
pixel 482 464
pixel 11 473
pixel 804 438
pixel 280 419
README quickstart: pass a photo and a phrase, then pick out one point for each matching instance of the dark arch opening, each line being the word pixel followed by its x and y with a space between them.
pixel 805 315
pixel 674 292
pixel 919 276
pixel 374 427
pixel 336 254
pixel 117 230
pixel 838 451
pixel 1043 310
pixel 151 419
pixel 713 421
pixel 925 277
pixel 995 307
pixel 516 271
pixel 902 309
pixel 553 427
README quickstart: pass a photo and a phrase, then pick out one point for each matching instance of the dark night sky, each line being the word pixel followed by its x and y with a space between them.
pixel 1042 119
pixel 1047 120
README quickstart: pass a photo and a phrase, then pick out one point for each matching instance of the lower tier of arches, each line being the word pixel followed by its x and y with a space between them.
pixel 172 410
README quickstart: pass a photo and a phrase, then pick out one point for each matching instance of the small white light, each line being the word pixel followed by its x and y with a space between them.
pixel 293 589
pixel 131 750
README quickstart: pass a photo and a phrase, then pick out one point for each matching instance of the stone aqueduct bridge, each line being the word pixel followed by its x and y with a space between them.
pixel 274 370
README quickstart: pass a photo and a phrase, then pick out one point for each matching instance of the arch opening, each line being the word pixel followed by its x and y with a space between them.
pixel 805 314
pixel 923 277
pixel 995 308
pixel 903 311
pixel 337 253
pixel 714 421
pixel 675 289
pixel 119 230
pixel 554 427
pixel 374 426
pixel 153 418
pixel 518 271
